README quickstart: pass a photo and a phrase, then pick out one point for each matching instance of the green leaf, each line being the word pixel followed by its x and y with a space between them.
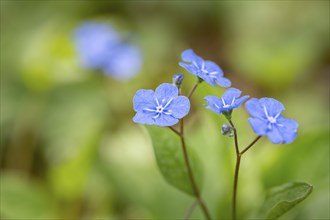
pixel 282 198
pixel 170 159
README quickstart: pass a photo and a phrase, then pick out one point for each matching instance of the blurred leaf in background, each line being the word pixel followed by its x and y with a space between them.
pixel 22 199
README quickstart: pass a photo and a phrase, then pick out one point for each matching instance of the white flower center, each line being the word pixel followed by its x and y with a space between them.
pixel 202 70
pixel 272 120
pixel 159 109
pixel 227 105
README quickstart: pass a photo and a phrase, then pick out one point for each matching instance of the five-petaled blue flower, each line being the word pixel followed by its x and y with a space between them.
pixel 204 69
pixel 267 120
pixel 164 107
pixel 229 100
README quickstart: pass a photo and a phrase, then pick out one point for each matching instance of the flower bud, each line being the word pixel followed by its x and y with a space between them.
pixel 227 129
pixel 177 80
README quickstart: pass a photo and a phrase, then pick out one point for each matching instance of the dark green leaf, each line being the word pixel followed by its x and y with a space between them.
pixel 282 198
pixel 170 159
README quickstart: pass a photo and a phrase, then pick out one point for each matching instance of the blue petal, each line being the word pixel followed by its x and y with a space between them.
pixel 166 120
pixel 288 129
pixel 222 81
pixel 273 106
pixel 213 67
pixel 217 74
pixel 180 107
pixel 190 68
pixel 287 123
pixel 214 103
pixel 240 100
pixel 93 42
pixel 144 99
pixel 206 78
pixel 190 56
pixel 125 62
pixel 259 126
pixel 254 109
pixel 144 118
pixel 230 94
pixel 275 136
pixel 165 91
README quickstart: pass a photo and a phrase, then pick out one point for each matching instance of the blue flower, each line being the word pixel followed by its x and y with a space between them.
pixel 124 63
pixel 229 100
pixel 100 47
pixel 94 41
pixel 163 107
pixel 267 120
pixel 204 69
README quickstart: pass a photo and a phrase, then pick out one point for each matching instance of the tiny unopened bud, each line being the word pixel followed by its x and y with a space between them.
pixel 227 129
pixel 177 80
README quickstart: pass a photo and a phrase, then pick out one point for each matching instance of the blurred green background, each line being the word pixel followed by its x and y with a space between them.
pixel 69 148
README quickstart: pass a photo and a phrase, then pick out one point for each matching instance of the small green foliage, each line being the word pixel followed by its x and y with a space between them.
pixel 170 160
pixel 282 198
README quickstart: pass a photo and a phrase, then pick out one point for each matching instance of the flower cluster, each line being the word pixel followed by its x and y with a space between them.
pixel 266 118
pixel 99 46
pixel 165 107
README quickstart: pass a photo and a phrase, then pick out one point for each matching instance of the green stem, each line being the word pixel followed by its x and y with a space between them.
pixel 190 173
pixel 187 162
pixel 174 130
pixel 191 209
pixel 238 162
pixel 193 90
pixel 235 137
pixel 237 166
pixel 250 145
